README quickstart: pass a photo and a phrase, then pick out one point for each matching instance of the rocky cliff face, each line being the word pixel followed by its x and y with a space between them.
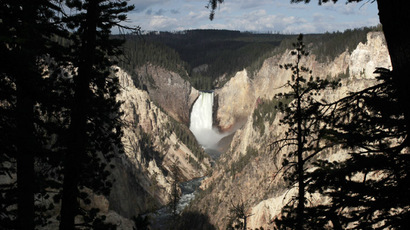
pixel 143 175
pixel 238 97
pixel 247 172
pixel 236 101
pixel 169 90
pixel 366 57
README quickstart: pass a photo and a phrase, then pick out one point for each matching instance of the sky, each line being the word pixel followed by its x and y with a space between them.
pixel 275 16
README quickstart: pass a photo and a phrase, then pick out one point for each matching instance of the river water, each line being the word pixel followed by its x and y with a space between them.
pixel 189 189
pixel 208 137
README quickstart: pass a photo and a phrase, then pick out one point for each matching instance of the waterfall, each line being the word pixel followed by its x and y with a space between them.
pixel 201 121
pixel 201 115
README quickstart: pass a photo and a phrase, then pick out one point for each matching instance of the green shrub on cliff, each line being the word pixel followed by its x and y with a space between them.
pixel 266 111
pixel 243 160
pixel 183 134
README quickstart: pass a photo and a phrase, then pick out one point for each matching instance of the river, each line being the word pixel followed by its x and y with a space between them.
pixel 208 137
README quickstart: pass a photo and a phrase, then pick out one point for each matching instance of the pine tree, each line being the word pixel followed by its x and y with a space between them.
pixel 369 189
pixel 303 118
pixel 43 107
pixel 175 192
pixel 238 216
pixel 26 28
pixel 95 128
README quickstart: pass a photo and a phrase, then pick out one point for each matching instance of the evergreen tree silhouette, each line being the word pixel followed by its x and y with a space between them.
pixel 303 119
pixel 175 195
pixel 369 189
pixel 26 30
pixel 237 216
pixel 94 134
pixel 56 88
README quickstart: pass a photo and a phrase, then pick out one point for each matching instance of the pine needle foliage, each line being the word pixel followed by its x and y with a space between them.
pixel 302 141
pixel 369 189
pixel 94 132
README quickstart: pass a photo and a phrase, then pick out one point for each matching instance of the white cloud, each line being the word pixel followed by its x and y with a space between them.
pixel 160 22
pixel 252 15
pixel 202 15
pixel 261 20
pixel 342 8
pixel 320 18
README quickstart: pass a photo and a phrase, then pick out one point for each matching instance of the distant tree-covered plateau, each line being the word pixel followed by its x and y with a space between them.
pixel 209 58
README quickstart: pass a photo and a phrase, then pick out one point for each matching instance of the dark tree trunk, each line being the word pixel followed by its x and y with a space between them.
pixel 332 216
pixel 300 162
pixel 27 75
pixel 245 222
pixel 300 172
pixel 74 161
pixel 25 155
pixel 395 17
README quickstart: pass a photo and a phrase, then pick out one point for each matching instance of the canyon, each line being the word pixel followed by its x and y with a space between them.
pixel 245 172
pixel 248 173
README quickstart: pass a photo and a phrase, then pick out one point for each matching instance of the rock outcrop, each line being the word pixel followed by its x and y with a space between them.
pixel 367 57
pixel 235 100
pixel 169 90
pixel 248 172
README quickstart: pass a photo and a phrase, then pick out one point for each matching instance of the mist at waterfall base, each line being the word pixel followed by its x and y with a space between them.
pixel 201 122
pixel 208 138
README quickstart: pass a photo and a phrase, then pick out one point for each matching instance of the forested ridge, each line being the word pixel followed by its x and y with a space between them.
pixel 203 57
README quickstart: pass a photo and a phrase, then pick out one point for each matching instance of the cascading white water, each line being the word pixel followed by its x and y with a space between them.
pixel 201 121
pixel 201 115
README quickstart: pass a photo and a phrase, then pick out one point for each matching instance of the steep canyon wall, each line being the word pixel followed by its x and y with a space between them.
pixel 168 90
pixel 239 95
pixel 143 175
pixel 247 172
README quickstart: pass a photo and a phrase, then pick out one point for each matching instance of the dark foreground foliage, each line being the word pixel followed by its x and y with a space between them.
pixel 369 190
pixel 60 121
